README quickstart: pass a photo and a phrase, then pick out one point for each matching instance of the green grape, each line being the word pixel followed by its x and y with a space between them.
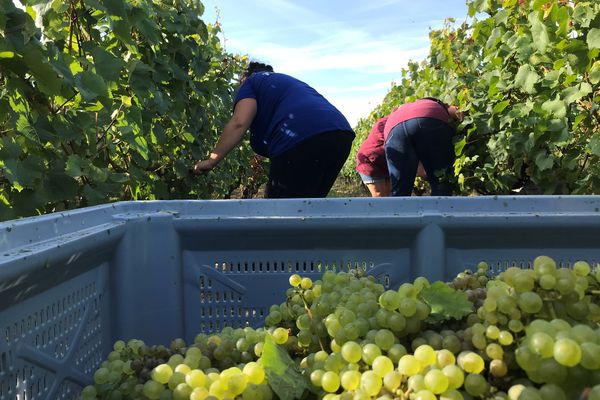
pixel 514 393
pixel 544 265
pixel 451 394
pixel 175 360
pixel 396 322
pixel 350 380
pixel 370 351
pixel 523 282
pixel 352 352
pixel 452 343
pixel 425 395
pixel 89 392
pixel 330 382
pixel 199 393
pixel 455 375
pixel 306 283
pixel 237 383
pixel 471 362
pixel 182 392
pixel 425 354
pixel 444 357
pixel 218 388
pixel 565 285
pixel 494 351
pixel 295 280
pixel 541 343
pixel 530 393
pixel 182 368
pixel 113 355
pixel 390 300
pixel 161 373
pixel 530 302
pixel 385 339
pixel 552 392
pixel 416 383
pixel 382 365
pixel 581 268
pixel 316 377
pixel 408 306
pixel 505 338
pixel 551 371
pixel 370 383
pixel 476 385
pixel 422 311
pixel 409 365
pixel 515 325
pixel 527 359
pixel 195 378
pixel 119 346
pixel 280 335
pixel 492 332
pixel 567 352
pixel 396 352
pixel 479 341
pixel 436 381
pixel 498 368
pixel 590 356
pixel 153 389
pixel 101 376
pixel 175 379
pixel 547 282
pixel 489 305
pixel 583 333
pixel 391 381
pixel 255 372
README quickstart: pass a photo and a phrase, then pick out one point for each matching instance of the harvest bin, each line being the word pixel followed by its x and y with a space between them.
pixel 72 283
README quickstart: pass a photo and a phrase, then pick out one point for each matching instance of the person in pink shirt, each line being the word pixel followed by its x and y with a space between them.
pixel 371 163
pixel 421 131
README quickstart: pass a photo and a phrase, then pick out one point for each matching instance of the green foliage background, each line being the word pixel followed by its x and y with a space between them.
pixel 104 100
pixel 526 72
pixel 114 100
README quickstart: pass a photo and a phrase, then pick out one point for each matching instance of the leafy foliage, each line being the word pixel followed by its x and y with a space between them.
pixel 111 100
pixel 283 374
pixel 526 75
pixel 445 302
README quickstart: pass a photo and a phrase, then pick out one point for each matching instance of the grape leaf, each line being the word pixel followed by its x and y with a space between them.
pixel 283 375
pixel 593 38
pixel 446 302
pixel 526 78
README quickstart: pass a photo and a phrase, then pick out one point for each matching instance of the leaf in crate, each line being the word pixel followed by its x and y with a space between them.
pixel 446 302
pixel 283 375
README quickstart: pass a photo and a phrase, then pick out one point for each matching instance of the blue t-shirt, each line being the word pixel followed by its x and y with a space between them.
pixel 288 112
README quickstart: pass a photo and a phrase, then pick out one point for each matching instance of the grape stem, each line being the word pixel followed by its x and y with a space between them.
pixel 310 315
pixel 552 310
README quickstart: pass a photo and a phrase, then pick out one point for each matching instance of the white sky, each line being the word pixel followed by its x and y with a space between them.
pixel 350 51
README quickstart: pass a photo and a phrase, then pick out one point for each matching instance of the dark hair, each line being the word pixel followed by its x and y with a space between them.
pixel 441 103
pixel 257 67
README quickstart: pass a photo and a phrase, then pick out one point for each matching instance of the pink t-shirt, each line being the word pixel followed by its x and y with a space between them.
pixel 370 159
pixel 423 108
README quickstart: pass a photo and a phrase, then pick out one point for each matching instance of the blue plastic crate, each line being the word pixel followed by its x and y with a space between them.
pixel 72 283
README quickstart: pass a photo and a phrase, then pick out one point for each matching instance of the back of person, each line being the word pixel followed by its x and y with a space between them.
pixel 423 108
pixel 420 131
pixel 289 112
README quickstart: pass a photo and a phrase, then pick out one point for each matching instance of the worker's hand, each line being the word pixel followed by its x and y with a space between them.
pixel 203 166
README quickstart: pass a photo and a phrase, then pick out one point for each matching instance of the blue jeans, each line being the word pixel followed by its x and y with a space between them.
pixel 427 140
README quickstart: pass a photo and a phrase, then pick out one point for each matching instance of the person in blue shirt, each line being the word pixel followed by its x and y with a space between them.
pixel 305 137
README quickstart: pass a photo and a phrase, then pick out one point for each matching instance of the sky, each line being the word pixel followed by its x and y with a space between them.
pixel 350 51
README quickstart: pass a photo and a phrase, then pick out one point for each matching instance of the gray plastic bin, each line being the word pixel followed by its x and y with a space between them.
pixel 72 283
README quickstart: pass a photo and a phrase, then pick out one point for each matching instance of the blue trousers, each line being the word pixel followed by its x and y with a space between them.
pixel 427 140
